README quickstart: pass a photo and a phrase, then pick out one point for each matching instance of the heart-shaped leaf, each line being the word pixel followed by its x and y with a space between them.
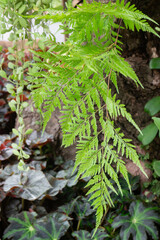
pixel 83 209
pixel 38 139
pixel 67 174
pixel 21 227
pixel 37 165
pixel 148 134
pixel 27 185
pixel 68 208
pixel 9 170
pixel 138 222
pixel 152 106
pixel 52 226
pixel 56 186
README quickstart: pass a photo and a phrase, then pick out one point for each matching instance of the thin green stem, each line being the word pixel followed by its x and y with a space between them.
pixel 79 222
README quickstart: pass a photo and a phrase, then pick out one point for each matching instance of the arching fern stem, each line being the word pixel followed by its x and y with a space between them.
pixel 76 77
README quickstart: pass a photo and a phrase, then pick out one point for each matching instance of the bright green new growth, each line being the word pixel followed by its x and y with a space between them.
pixel 77 81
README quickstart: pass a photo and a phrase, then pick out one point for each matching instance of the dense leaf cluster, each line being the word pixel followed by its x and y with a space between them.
pixel 75 77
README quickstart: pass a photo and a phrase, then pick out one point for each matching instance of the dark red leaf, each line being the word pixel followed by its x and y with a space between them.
pixel 8 114
pixel 4 65
pixel 2 146
pixel 5 79
pixel 7 141
pixel 23 98
pixel 5 50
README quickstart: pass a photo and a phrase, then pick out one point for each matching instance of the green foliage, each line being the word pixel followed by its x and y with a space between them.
pixel 155 187
pixel 68 208
pixel 15 88
pixel 137 223
pixel 157 123
pixel 52 230
pixel 148 134
pixel 25 227
pixel 83 209
pixel 77 81
pixel 75 77
pixel 85 235
pixel 154 63
pixel 156 167
pixel 26 184
pixel 127 196
pixel 152 107
pixel 21 227
pixel 15 12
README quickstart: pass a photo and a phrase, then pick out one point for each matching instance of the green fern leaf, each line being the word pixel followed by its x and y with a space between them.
pixel 76 80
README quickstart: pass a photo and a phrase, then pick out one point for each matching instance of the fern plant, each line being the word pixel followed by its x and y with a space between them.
pixel 77 81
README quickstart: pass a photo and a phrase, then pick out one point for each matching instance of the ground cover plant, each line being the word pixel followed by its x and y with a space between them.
pixel 74 76
pixel 152 107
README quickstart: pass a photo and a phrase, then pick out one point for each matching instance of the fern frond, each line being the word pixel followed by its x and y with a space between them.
pixel 75 78
pixel 131 16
